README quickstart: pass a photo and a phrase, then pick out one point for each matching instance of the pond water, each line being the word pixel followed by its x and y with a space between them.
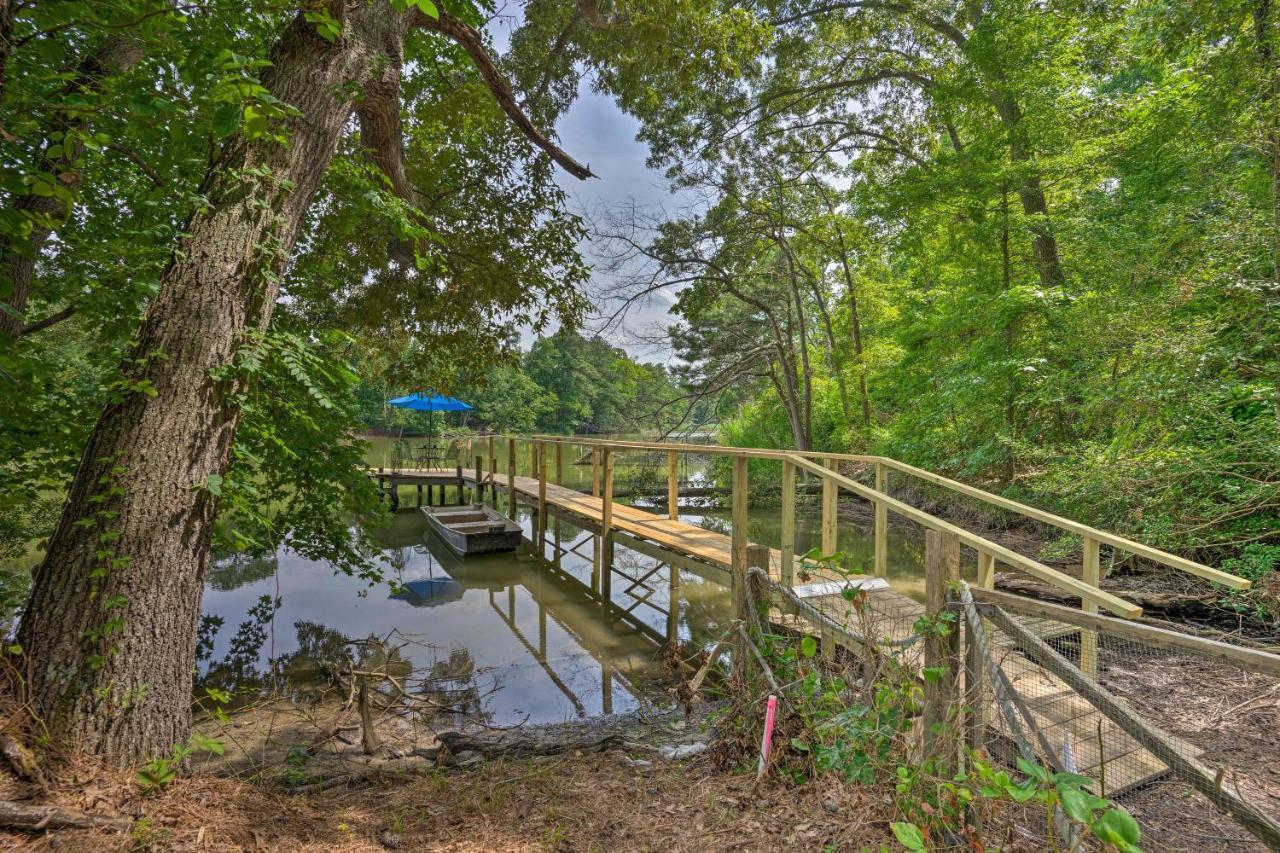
pixel 505 638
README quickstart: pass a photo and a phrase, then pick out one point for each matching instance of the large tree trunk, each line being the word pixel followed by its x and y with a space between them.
pixel 110 628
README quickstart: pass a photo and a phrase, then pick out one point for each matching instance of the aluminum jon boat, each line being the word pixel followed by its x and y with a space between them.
pixel 475 529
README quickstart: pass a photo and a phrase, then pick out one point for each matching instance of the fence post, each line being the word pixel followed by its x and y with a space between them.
pixel 1090 574
pixel 511 478
pixel 829 495
pixel 882 523
pixel 941 653
pixel 975 698
pixel 788 545
pixel 673 486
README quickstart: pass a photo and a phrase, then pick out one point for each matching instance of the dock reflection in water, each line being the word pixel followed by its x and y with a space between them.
pixel 504 638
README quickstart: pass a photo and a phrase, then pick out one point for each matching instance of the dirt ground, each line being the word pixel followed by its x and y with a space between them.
pixel 598 801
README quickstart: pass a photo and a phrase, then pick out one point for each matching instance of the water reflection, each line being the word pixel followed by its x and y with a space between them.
pixel 507 637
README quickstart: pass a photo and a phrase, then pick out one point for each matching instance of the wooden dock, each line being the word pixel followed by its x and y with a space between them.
pixel 1066 723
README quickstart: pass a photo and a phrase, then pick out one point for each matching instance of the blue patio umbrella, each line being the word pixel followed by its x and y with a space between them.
pixel 430 402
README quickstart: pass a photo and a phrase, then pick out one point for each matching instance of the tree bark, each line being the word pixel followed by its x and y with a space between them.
pixel 109 631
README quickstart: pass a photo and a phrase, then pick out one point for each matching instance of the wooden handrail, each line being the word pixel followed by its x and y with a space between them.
pixel 1036 569
pixel 1083 530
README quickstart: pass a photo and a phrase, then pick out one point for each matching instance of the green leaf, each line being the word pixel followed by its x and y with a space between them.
pixel 206 744
pixel 908 835
pixel 1118 828
pixel 808 647
pixel 1075 805
pixel 1035 771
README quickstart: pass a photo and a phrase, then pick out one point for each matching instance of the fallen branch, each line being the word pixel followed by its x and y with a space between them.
pixel 31 818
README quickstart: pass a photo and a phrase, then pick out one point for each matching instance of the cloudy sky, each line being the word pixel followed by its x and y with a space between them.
pixel 596 132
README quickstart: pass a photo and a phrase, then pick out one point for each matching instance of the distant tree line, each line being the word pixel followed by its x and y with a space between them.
pixel 565 383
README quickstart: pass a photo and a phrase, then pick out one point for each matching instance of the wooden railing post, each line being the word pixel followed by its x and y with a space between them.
pixel 673 486
pixel 830 493
pixel 941 650
pixel 542 495
pixel 986 570
pixel 605 554
pixel 882 523
pixel 1090 573
pixel 788 544
pixel 595 471
pixel 493 470
pixel 511 478
pixel 738 518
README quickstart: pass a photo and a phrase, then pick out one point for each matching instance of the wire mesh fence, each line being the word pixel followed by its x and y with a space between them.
pixel 1179 730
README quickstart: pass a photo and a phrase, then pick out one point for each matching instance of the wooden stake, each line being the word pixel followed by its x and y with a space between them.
pixel 941 653
pixel 788 545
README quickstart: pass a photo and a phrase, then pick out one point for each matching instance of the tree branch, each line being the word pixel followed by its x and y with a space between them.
pixel 469 40
pixel 51 320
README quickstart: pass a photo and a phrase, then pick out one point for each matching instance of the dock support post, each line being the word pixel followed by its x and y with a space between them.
pixel 559 462
pixel 941 650
pixel 604 557
pixel 1090 574
pixel 829 530
pixel 788 544
pixel 478 495
pixel 511 479
pixel 673 604
pixel 882 523
pixel 673 486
